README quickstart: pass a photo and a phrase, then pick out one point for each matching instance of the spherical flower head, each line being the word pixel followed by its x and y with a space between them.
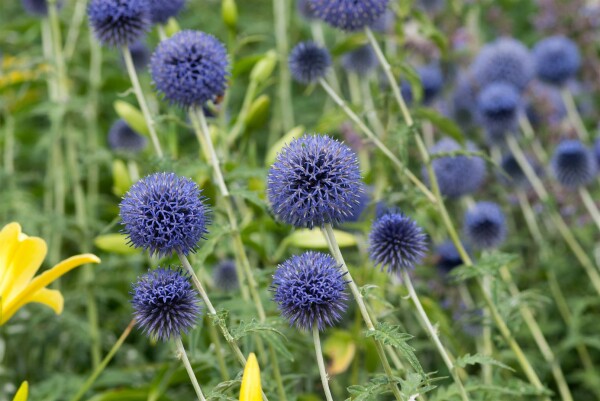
pixel 164 213
pixel 456 175
pixel 349 15
pixel 396 242
pixel 119 22
pixel 464 100
pixel 190 68
pixel 432 81
pixel 38 8
pixel 164 303
pixel 140 54
pixel 573 164
pixel 505 60
pixel 225 276
pixel 310 290
pixel 162 10
pixel 361 61
pixel 557 59
pixel 512 175
pixel 122 138
pixel 305 10
pixel 315 180
pixel 448 257
pixel 498 105
pixel 309 62
pixel 485 225
pixel 361 206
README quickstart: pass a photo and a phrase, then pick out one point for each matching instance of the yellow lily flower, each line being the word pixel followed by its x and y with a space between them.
pixel 21 257
pixel 251 389
pixel 22 393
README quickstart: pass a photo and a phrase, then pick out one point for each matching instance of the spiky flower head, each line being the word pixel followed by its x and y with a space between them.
pixel 361 61
pixel 122 138
pixel 190 68
pixel 448 257
pixel 573 164
pixel 485 225
pixel 164 213
pixel 464 100
pixel 309 62
pixel 164 303
pixel 456 175
pixel 432 80
pixel 38 8
pixel 162 10
pixel 119 22
pixel 225 276
pixel 349 15
pixel 396 242
pixel 498 106
pixel 504 60
pixel 315 180
pixel 140 54
pixel 557 59
pixel 310 290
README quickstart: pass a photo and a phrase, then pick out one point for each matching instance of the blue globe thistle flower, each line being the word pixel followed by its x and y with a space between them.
pixel 456 175
pixel 38 8
pixel 557 59
pixel 119 22
pixel 396 242
pixel 512 175
pixel 485 225
pixel 190 68
pixel 309 62
pixel 315 180
pixel 361 61
pixel 310 290
pixel 305 10
pixel 432 82
pixel 573 164
pixel 464 100
pixel 140 54
pixel 349 15
pixel 498 106
pixel 123 138
pixel 505 60
pixel 162 10
pixel 385 23
pixel 361 206
pixel 164 213
pixel 164 303
pixel 225 276
pixel 448 257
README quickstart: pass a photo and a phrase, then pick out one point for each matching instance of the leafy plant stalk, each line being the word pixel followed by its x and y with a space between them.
pixel 189 369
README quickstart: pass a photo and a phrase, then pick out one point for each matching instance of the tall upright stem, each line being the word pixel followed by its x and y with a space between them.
pixel 280 14
pixel 590 205
pixel 573 114
pixel 139 94
pixel 434 336
pixel 337 254
pixel 188 368
pixel 321 363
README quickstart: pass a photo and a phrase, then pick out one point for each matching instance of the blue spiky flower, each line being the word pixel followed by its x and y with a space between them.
pixel 119 22
pixel 432 82
pixel 557 59
pixel 309 62
pixel 225 276
pixel 315 180
pixel 122 138
pixel 505 60
pixel 512 175
pixel 448 257
pixel 361 61
pixel 573 164
pixel 498 105
pixel 38 8
pixel 396 242
pixel 349 15
pixel 190 68
pixel 310 290
pixel 164 213
pixel 485 225
pixel 162 10
pixel 456 175
pixel 164 303
pixel 464 100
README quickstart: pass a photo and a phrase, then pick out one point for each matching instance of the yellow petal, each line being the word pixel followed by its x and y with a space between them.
pixel 251 389
pixel 9 239
pixel 50 298
pixel 22 393
pixel 44 279
pixel 25 262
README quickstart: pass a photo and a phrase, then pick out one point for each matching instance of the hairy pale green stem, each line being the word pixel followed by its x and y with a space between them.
pixel 188 368
pixel 321 362
pixel 280 14
pixel 573 114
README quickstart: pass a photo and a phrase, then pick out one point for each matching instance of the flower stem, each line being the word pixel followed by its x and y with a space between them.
pixel 434 336
pixel 590 205
pixel 337 254
pixel 538 337
pixel 573 114
pixel 139 94
pixel 214 337
pixel 321 363
pixel 529 134
pixel 188 368
pixel 376 141
pixel 100 368
pixel 74 28
pixel 280 13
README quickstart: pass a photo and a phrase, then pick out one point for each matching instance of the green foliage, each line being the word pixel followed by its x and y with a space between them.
pixel 391 335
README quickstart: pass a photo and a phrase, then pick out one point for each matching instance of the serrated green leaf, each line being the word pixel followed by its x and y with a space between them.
pixel 469 359
pixel 273 336
pixel 489 264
